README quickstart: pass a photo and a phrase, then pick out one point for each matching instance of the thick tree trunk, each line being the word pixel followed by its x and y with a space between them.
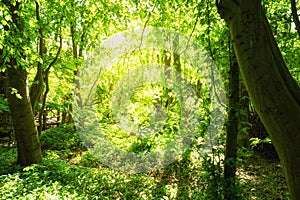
pixel 28 144
pixel 274 93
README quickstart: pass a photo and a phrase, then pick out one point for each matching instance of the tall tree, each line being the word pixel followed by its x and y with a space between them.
pixel 273 91
pixel 13 58
pixel 232 128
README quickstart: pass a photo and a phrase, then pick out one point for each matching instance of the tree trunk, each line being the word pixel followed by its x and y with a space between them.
pixel 37 87
pixel 244 113
pixel 28 144
pixel 273 91
pixel 42 116
pixel 232 130
pixel 295 16
pixel 64 117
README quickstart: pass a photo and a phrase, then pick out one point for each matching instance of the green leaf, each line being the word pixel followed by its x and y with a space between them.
pixel 8 18
pixel 15 91
pixel 3 22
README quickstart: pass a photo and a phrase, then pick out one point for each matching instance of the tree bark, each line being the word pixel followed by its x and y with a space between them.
pixel 273 91
pixel 28 144
pixel 42 116
pixel 37 87
pixel 76 58
pixel 232 130
pixel 295 16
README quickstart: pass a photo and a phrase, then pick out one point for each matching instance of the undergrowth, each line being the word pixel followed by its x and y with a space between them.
pixel 70 172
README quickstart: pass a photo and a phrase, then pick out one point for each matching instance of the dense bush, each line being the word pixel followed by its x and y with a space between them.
pixel 64 137
pixel 8 157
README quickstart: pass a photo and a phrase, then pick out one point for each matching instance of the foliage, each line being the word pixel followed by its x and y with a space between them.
pixel 214 182
pixel 58 179
pixel 7 157
pixel 64 137
pixel 3 104
pixel 283 28
pixel 93 22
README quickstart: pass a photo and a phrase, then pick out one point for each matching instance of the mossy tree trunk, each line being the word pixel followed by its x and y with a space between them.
pixel 273 91
pixel 28 144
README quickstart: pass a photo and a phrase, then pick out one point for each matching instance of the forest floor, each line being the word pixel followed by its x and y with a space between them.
pixel 70 172
pixel 263 178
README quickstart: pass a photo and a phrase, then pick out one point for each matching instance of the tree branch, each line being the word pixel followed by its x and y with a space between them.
pixel 295 16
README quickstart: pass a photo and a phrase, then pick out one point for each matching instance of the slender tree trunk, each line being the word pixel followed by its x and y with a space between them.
pixel 64 117
pixel 37 87
pixel 295 16
pixel 273 91
pixel 75 56
pixel 232 130
pixel 244 104
pixel 47 88
pixel 69 116
pixel 28 144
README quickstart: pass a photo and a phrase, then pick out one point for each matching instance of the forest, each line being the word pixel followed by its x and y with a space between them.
pixel 139 99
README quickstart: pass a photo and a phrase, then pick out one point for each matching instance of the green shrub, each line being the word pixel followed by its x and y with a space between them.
pixel 8 157
pixel 64 137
